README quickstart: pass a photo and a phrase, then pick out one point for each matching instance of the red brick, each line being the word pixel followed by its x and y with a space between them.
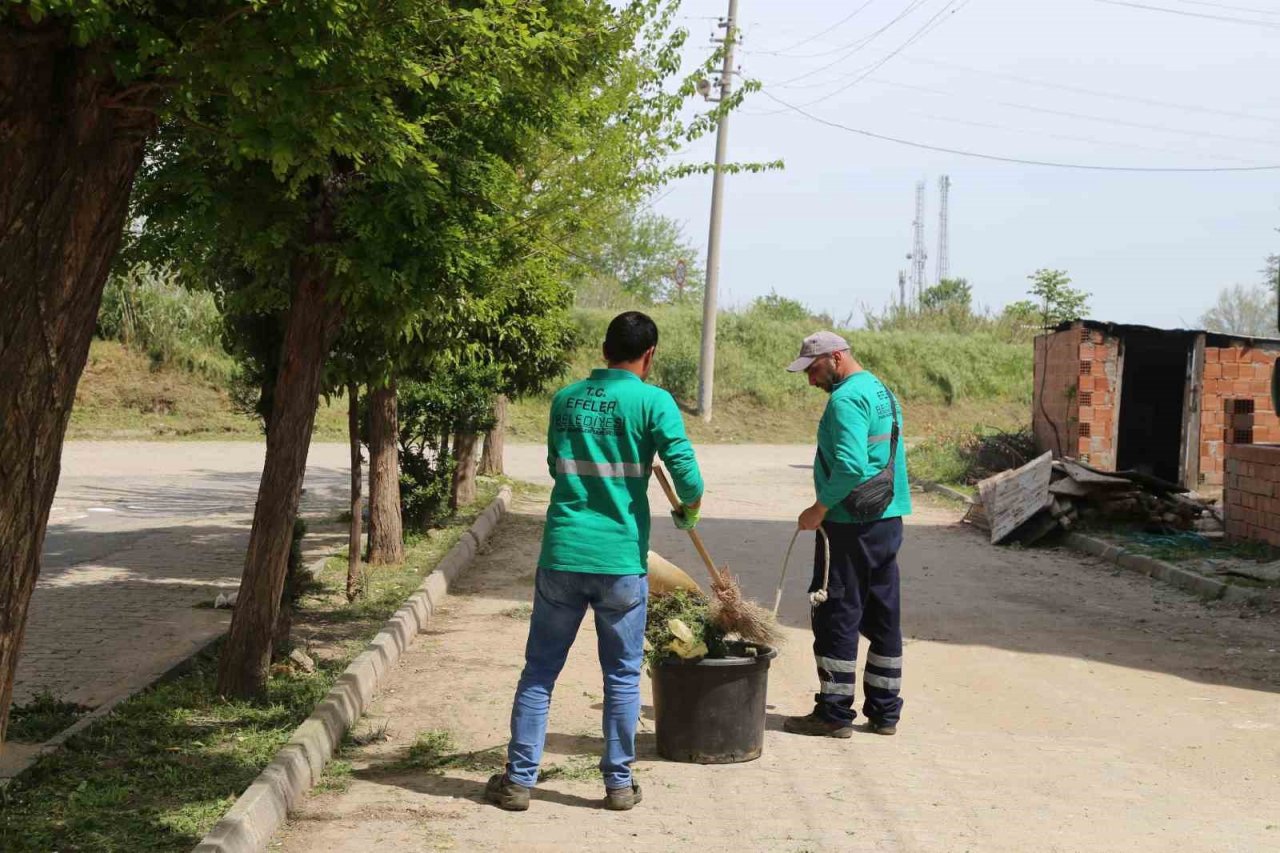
pixel 1211 355
pixel 1229 355
pixel 1230 371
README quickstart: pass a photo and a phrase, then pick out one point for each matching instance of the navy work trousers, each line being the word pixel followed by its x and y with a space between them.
pixel 862 598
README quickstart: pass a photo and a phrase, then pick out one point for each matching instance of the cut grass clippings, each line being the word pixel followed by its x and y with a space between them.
pixel 42 718
pixel 160 770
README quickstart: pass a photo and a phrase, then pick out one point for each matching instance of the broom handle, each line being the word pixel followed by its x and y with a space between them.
pixel 693 534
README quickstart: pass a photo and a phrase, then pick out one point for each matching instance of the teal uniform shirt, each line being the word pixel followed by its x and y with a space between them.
pixel 601 441
pixel 853 440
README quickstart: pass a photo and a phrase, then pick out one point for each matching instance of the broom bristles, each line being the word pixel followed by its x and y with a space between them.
pixel 736 615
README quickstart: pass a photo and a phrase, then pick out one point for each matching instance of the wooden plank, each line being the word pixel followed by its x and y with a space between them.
pixel 1084 476
pixel 1189 470
pixel 1010 498
pixel 1070 488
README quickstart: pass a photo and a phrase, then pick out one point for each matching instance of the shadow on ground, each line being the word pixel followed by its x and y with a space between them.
pixel 959 589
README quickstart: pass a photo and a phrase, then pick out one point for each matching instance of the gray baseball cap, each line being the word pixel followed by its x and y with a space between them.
pixel 817 344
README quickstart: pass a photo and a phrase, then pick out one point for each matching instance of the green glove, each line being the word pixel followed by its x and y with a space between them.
pixel 686 518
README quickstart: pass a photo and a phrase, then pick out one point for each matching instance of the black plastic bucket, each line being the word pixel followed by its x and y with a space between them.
pixel 712 711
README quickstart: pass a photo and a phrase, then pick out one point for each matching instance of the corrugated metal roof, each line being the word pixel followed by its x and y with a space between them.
pixel 1216 339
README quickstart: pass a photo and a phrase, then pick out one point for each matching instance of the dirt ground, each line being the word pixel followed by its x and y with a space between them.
pixel 1052 703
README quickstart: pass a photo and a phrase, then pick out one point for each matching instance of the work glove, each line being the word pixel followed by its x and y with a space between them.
pixel 686 518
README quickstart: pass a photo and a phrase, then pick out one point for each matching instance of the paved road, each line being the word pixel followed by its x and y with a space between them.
pixel 139 534
pixel 1052 703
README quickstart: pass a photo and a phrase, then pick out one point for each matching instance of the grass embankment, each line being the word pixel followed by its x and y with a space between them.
pixel 165 765
pixel 950 385
pixel 126 394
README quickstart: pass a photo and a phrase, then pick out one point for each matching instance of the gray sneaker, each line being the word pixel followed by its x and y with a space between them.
pixel 622 799
pixel 815 726
pixel 505 794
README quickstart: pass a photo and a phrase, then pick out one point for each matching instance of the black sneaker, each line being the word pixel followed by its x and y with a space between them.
pixel 880 727
pixel 815 726
pixel 505 794
pixel 622 799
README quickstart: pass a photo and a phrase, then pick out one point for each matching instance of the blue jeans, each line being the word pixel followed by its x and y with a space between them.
pixel 560 602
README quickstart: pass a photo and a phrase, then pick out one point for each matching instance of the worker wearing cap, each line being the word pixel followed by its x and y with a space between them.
pixel 855 437
pixel 603 436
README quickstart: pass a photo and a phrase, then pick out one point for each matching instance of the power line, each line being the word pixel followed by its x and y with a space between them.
pixel 856 46
pixel 1065 137
pixel 1246 21
pixel 1018 160
pixel 840 23
pixel 1203 134
pixel 929 26
pixel 1030 81
pixel 1252 9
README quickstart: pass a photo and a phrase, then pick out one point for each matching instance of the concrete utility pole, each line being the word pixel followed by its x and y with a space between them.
pixel 944 240
pixel 707 367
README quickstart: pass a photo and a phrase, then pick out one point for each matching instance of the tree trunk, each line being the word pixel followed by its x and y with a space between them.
pixel 464 472
pixel 386 533
pixel 357 477
pixel 310 328
pixel 495 440
pixel 67 164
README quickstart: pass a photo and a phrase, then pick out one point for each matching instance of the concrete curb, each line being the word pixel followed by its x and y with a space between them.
pixel 1196 584
pixel 262 809
pixel 945 491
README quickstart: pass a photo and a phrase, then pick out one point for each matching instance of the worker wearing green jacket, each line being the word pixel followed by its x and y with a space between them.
pixel 858 439
pixel 602 438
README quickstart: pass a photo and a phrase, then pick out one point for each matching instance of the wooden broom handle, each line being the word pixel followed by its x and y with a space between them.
pixel 693 534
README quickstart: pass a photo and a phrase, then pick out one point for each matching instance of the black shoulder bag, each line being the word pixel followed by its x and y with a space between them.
pixel 871 498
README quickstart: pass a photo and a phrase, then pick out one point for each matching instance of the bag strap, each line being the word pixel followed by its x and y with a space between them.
pixel 894 435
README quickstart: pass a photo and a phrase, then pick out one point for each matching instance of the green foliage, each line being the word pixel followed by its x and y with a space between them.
pixel 691 609
pixel 1058 301
pixel 1021 319
pixel 457 399
pixel 165 765
pixel 949 293
pixel 634 253
pixel 780 308
pixel 436 751
pixel 41 718
pixel 425 488
pixel 1242 310
pixel 147 307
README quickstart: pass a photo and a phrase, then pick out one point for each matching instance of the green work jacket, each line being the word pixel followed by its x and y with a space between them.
pixel 603 435
pixel 853 446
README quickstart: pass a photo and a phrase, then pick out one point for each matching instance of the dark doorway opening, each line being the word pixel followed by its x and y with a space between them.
pixel 1152 401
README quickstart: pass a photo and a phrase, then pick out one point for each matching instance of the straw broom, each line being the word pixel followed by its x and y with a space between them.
pixel 730 611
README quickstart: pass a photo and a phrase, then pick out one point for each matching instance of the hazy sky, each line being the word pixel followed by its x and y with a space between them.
pixel 1144 88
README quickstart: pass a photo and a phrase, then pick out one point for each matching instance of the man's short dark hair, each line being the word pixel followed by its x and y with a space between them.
pixel 630 335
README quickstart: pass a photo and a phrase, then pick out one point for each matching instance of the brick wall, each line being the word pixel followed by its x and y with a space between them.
pixel 1098 398
pixel 1251 496
pixel 1236 405
pixel 1054 407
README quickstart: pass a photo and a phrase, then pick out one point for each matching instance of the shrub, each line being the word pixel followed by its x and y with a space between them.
pixel 147 308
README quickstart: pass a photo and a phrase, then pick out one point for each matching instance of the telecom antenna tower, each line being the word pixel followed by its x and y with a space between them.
pixel 944 248
pixel 918 255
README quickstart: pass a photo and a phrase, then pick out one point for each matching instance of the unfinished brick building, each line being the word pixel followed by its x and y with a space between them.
pixel 1165 402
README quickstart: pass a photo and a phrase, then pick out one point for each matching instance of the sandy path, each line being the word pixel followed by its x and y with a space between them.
pixel 1052 703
